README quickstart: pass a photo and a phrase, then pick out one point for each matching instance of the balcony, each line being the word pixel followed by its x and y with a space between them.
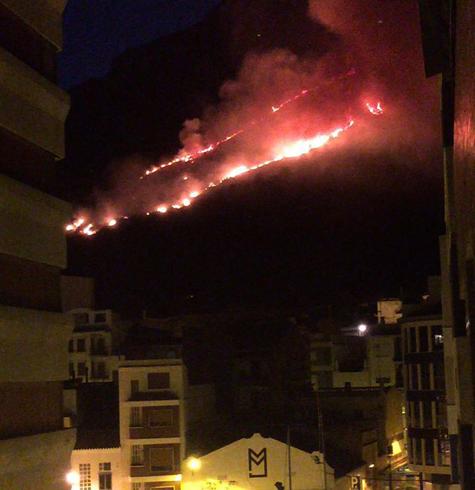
pixel 32 107
pixel 146 432
pixel 153 396
pixel 99 351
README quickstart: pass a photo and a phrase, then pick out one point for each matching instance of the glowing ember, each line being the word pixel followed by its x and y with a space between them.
pixel 376 110
pixel 162 209
pixel 112 222
pixel 236 171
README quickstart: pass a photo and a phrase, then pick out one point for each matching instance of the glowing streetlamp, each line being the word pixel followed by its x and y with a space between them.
pixel 72 477
pixel 194 464
pixel 362 328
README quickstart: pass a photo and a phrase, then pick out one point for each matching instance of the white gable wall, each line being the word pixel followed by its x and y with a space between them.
pixel 228 468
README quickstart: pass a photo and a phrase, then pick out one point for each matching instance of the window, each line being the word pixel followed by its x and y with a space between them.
pixel 82 369
pixel 439 376
pixel 134 386
pixel 81 345
pixel 81 319
pixel 158 381
pixel 417 414
pixel 429 452
pixel 162 459
pixel 412 340
pixel 423 339
pixel 417 451
pixel 71 369
pixel 425 376
pixel 100 318
pixel 397 349
pixel 71 346
pixel 427 414
pixel 437 338
pixel 322 356
pixel 414 377
pixel 137 455
pixel 100 370
pixel 105 476
pixel 137 486
pixel 160 417
pixel 85 477
pixel 135 417
pixel 101 345
pixel 443 449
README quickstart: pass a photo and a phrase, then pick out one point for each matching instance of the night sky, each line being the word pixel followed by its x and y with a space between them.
pixel 355 227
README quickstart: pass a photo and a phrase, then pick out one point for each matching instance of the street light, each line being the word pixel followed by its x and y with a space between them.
pixel 72 477
pixel 194 464
pixel 362 328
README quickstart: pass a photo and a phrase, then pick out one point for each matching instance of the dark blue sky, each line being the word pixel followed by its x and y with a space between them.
pixel 95 32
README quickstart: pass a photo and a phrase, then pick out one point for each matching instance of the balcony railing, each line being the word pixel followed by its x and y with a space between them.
pixel 153 395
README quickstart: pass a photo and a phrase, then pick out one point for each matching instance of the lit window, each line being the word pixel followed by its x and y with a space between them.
pixel 105 476
pixel 85 477
pixel 137 486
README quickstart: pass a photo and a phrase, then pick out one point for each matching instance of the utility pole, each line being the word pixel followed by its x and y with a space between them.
pixel 321 439
pixel 289 460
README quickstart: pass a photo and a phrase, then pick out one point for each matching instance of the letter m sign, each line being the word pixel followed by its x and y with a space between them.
pixel 257 463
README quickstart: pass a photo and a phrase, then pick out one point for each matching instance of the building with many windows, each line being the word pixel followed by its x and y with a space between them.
pixel 152 421
pixel 358 361
pixel 94 345
pixel 34 446
pixel 426 414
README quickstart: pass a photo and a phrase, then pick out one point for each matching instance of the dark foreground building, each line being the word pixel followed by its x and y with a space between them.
pixel 35 449
pixel 448 38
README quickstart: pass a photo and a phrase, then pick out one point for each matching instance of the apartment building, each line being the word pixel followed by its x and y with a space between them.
pixel 426 413
pixel 34 447
pixel 94 345
pixel 356 361
pixel 152 422
pixel 448 48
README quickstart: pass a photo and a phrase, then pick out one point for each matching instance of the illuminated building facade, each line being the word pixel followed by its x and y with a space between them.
pixel 34 447
pixel 449 53
pixel 257 463
pixel 347 361
pixel 426 415
pixel 152 422
pixel 93 347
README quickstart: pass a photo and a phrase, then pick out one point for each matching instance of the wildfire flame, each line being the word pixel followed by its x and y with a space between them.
pixel 191 157
pixel 376 110
pixel 282 151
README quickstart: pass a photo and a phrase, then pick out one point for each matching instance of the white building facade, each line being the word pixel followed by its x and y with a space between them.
pixel 93 346
pixel 257 463
pixel 152 423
